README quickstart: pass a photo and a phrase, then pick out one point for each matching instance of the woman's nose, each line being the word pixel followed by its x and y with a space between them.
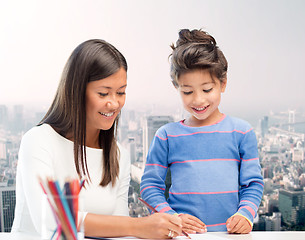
pixel 113 103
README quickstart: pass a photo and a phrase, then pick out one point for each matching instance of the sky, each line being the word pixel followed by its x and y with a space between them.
pixel 263 41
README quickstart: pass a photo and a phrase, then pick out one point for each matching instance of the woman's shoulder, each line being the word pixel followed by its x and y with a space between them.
pixel 39 142
pixel 124 159
pixel 42 136
pixel 124 153
pixel 121 148
pixel 37 132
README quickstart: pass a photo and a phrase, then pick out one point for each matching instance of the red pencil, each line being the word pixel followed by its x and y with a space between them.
pixel 74 186
pixel 154 210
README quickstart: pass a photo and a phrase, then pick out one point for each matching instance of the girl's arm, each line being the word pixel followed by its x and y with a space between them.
pixel 250 178
pixel 157 225
pixel 153 180
pixel 153 183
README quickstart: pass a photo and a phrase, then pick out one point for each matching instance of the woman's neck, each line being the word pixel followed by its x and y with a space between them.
pixel 93 138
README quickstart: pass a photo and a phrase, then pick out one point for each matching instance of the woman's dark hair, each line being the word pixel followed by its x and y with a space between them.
pixel 92 60
pixel 194 50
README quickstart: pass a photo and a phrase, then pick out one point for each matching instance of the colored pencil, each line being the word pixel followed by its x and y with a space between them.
pixel 68 232
pixel 64 203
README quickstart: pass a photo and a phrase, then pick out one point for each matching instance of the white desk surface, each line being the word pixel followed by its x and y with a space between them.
pixel 256 235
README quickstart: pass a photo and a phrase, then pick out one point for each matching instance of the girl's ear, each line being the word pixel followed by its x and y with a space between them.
pixel 223 85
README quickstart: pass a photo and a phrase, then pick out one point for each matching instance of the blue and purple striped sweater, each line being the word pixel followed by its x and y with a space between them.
pixel 215 171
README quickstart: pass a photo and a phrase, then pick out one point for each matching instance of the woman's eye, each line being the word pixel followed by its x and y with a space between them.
pixel 188 93
pixel 208 90
pixel 103 94
pixel 121 93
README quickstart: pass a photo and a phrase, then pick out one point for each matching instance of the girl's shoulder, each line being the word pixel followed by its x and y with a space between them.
pixel 237 123
pixel 168 128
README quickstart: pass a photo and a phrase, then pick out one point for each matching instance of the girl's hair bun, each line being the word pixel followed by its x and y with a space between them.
pixel 195 37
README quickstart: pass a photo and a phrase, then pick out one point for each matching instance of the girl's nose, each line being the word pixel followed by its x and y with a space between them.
pixel 198 99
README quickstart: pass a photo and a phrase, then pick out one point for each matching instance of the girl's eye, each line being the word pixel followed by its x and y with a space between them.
pixel 208 90
pixel 103 94
pixel 121 93
pixel 188 93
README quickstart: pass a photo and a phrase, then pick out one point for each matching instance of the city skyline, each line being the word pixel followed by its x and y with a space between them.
pixel 36 113
pixel 280 145
pixel 264 43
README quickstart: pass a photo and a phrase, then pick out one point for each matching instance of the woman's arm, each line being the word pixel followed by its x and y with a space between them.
pixel 34 160
pixel 157 225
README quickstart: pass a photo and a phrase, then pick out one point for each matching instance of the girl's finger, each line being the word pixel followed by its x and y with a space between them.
pixel 237 226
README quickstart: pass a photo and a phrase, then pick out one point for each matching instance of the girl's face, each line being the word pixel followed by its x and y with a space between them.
pixel 201 94
pixel 104 100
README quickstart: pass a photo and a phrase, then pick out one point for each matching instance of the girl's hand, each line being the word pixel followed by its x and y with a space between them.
pixel 238 224
pixel 159 225
pixel 192 224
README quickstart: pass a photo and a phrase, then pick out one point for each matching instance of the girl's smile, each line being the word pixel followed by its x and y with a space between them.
pixel 201 110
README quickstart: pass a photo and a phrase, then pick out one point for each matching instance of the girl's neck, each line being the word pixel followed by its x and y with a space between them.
pixel 212 119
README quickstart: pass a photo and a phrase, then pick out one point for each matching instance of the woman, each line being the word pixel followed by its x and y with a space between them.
pixel 77 137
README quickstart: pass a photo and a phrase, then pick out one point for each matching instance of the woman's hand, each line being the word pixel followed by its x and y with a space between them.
pixel 159 225
pixel 238 224
pixel 192 224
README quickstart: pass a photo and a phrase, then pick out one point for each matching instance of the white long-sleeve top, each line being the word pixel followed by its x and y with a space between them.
pixel 45 153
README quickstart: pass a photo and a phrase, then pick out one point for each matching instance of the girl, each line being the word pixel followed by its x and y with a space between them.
pixel 213 158
pixel 77 137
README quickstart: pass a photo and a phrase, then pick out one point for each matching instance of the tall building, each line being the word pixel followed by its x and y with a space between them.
pixel 17 125
pixel 292 206
pixel 7 208
pixel 132 149
pixel 2 149
pixel 291 120
pixel 273 223
pixel 3 115
pixel 151 125
pixel 264 126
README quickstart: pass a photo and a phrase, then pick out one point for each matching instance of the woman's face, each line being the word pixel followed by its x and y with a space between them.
pixel 104 100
